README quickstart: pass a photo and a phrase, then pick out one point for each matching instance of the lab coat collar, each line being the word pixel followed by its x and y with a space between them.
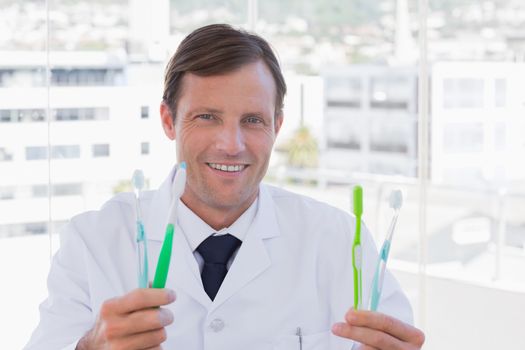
pixel 183 272
pixel 252 258
pixel 157 218
pixel 197 230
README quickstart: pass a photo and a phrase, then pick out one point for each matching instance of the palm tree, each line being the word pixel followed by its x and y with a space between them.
pixel 302 150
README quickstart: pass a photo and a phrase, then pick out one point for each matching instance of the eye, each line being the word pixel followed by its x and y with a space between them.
pixel 254 120
pixel 205 116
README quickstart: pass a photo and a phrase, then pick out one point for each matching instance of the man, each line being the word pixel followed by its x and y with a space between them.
pixel 288 283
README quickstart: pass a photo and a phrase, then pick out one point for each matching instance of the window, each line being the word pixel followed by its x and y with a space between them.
pixel 340 135
pixel 343 92
pixel 100 150
pixel 144 148
pixel 29 228
pixel 500 92
pixel 390 136
pixel 463 137
pixel 5 116
pixel 500 137
pixel 22 115
pixel 65 152
pixel 68 189
pixel 39 191
pixel 463 93
pixel 57 152
pixel 36 152
pixel 36 228
pixel 59 114
pixel 58 190
pixel 5 154
pixel 144 112
pixel 391 92
pixel 7 193
pixel 85 76
pixel 71 114
pixel 30 115
pixel 67 114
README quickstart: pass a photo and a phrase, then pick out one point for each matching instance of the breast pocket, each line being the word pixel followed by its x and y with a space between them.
pixel 317 341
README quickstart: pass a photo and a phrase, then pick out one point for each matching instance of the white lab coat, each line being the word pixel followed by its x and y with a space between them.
pixel 292 270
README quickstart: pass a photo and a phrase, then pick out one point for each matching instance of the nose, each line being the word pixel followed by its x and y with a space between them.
pixel 230 139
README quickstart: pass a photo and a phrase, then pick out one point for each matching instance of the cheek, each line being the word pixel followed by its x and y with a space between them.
pixel 261 147
pixel 188 136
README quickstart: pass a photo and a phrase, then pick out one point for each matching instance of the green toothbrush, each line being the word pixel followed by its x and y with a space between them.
pixel 357 254
pixel 163 265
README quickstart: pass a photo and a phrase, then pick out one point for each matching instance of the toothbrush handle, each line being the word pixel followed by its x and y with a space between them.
pixel 163 265
pixel 356 265
pixel 142 251
pixel 377 283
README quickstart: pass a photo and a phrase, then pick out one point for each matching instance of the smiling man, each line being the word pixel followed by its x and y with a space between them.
pixel 253 266
pixel 225 126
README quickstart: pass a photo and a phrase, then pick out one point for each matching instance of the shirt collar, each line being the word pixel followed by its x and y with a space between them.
pixel 197 230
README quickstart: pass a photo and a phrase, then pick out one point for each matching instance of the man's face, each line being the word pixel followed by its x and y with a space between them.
pixel 225 128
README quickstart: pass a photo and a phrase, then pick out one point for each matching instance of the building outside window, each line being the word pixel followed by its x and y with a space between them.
pixel 100 150
pixel 461 248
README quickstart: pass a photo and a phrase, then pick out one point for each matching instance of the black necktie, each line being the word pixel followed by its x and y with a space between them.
pixel 216 251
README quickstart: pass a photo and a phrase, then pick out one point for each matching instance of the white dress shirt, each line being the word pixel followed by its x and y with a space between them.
pixel 196 230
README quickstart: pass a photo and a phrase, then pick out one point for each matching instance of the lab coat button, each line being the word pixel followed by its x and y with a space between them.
pixel 217 325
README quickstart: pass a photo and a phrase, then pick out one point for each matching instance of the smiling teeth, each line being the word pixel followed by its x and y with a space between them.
pixel 228 168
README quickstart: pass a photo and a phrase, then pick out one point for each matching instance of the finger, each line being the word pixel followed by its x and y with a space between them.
pixel 385 323
pixel 144 320
pixel 367 336
pixel 143 298
pixel 145 340
pixel 366 347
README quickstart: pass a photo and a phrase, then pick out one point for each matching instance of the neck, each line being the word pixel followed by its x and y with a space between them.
pixel 217 217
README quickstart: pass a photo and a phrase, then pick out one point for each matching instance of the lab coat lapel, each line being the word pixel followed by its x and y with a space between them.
pixel 157 213
pixel 252 258
pixel 184 271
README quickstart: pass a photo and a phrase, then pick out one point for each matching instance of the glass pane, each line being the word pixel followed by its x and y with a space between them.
pixel 105 75
pixel 476 225
pixel 24 244
pixel 107 60
pixel 351 69
pixel 186 16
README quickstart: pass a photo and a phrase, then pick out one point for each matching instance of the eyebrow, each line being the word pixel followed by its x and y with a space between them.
pixel 201 110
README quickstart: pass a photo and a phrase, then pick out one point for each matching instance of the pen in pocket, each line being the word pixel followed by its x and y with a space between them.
pixel 299 334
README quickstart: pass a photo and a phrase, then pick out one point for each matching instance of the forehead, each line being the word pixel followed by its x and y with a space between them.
pixel 251 84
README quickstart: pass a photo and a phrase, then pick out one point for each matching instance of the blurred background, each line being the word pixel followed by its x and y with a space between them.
pixel 427 96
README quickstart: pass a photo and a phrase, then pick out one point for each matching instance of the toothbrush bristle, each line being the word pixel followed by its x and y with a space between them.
pixel 179 183
pixel 396 199
pixel 358 200
pixel 138 179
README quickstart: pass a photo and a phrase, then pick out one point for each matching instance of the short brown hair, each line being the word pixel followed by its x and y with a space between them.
pixel 218 49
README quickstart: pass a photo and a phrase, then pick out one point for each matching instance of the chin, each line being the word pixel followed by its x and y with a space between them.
pixel 229 201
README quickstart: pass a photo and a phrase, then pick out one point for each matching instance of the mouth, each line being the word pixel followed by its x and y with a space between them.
pixel 228 168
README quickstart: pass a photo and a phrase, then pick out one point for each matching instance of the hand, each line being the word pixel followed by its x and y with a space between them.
pixel 132 321
pixel 377 331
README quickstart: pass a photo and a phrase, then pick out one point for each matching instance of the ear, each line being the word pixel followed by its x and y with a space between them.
pixel 278 122
pixel 168 124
